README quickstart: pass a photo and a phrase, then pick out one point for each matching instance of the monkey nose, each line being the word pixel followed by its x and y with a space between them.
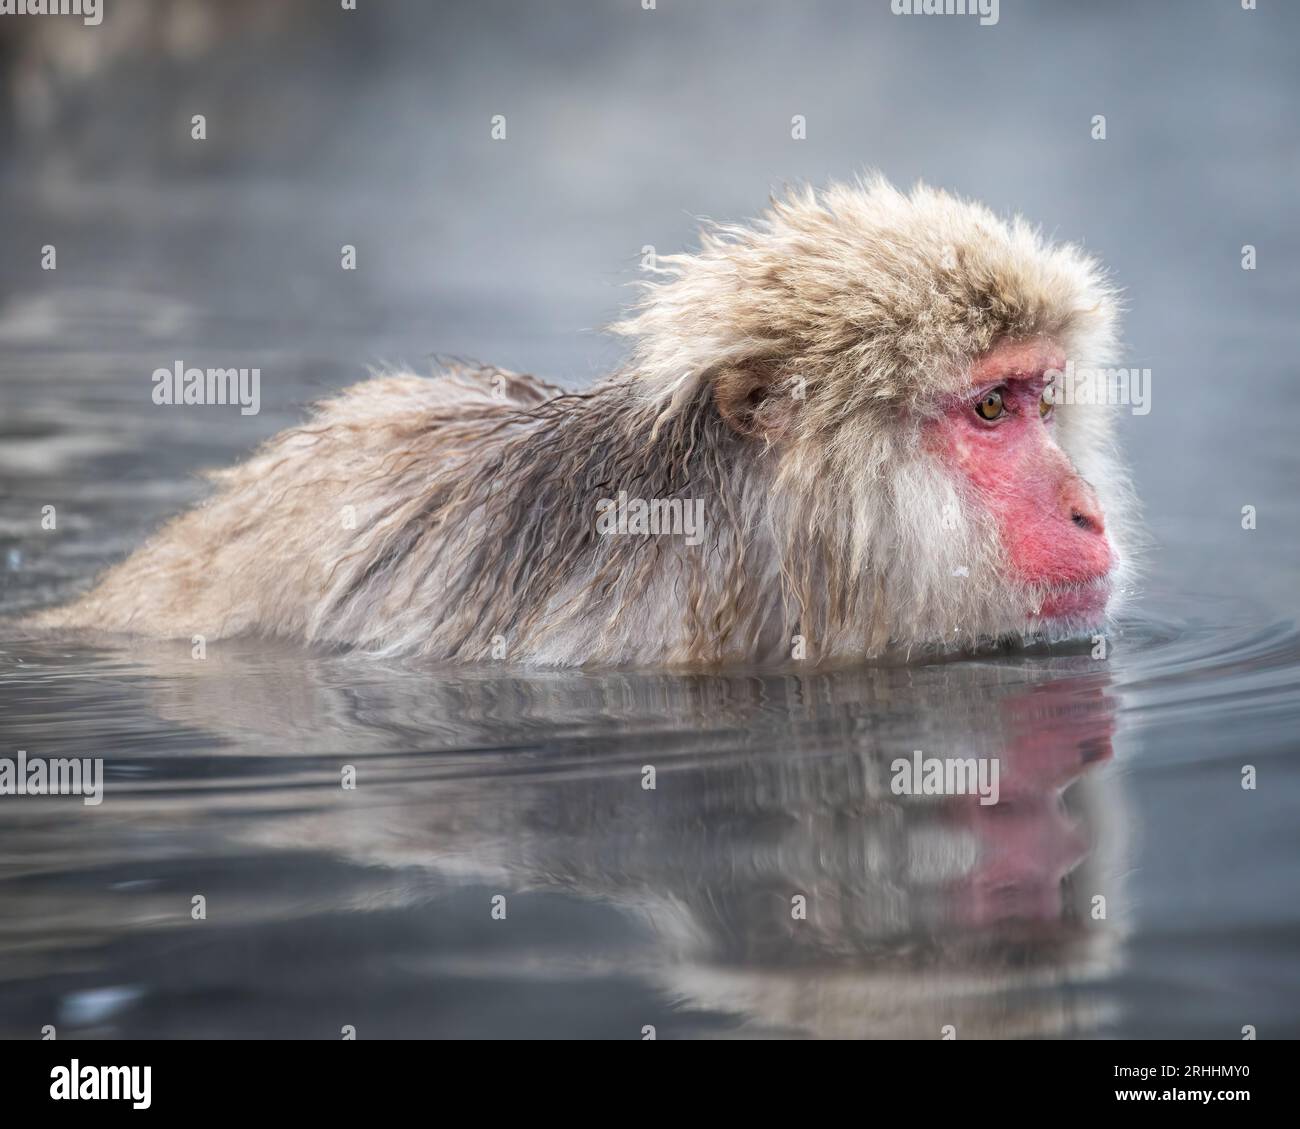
pixel 1080 501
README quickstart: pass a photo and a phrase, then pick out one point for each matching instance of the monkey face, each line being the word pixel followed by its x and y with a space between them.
pixel 973 515
pixel 1002 443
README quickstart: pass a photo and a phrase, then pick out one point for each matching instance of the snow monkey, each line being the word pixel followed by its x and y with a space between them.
pixel 835 438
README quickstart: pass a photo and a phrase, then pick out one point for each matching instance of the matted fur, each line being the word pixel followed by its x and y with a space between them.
pixel 475 493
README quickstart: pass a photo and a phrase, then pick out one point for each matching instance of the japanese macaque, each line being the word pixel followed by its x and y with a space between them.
pixel 835 438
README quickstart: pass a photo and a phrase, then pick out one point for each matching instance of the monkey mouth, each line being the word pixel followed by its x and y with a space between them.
pixel 1086 600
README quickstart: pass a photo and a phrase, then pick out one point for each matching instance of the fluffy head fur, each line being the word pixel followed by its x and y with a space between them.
pixel 781 376
pixel 880 300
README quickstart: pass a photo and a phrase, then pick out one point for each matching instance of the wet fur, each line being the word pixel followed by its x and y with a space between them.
pixel 474 493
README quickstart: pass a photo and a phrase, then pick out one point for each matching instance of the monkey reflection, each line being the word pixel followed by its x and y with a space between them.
pixel 776 875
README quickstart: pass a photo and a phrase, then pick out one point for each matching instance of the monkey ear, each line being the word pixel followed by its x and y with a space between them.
pixel 754 403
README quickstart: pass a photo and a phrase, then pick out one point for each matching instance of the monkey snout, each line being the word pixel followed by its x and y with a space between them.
pixel 1080 501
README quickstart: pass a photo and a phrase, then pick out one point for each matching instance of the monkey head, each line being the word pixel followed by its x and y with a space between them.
pixel 889 365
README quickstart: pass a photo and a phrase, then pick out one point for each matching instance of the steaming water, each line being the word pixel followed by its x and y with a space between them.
pixel 625 907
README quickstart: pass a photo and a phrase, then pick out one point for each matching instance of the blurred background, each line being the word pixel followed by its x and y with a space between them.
pixel 624 127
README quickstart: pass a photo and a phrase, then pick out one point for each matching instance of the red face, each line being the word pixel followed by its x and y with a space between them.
pixel 1001 441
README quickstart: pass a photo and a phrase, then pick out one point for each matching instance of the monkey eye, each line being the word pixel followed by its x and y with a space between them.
pixel 989 406
pixel 1048 402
